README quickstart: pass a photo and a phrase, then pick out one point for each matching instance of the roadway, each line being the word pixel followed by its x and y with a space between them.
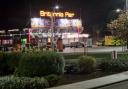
pixel 93 49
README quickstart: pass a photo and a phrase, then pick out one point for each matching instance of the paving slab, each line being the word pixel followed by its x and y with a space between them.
pixel 93 83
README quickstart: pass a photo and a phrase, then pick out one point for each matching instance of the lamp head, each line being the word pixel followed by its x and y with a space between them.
pixel 118 10
pixel 57 7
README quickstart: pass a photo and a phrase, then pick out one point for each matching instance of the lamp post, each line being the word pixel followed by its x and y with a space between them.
pixel 113 14
pixel 53 25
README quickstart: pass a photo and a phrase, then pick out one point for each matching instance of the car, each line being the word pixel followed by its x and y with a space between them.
pixel 77 44
pixel 66 45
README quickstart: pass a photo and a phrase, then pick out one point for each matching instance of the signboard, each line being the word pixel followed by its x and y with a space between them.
pixel 63 23
pixel 69 22
pixel 108 40
pixel 38 22
pixel 41 25
pixel 56 14
pixel 76 23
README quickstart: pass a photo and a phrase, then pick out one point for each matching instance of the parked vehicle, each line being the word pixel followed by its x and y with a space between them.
pixel 77 44
pixel 66 45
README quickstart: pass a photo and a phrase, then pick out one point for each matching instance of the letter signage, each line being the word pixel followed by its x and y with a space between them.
pixel 56 14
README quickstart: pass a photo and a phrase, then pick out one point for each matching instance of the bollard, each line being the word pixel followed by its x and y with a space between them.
pixel 114 54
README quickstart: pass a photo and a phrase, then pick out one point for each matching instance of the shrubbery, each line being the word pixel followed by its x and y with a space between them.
pixel 30 64
pixel 40 64
pixel 114 65
pixel 13 59
pixel 3 64
pixel 23 83
pixel 86 64
pixel 71 68
pixel 8 62
pixel 52 79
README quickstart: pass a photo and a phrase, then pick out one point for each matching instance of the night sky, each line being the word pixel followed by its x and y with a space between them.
pixel 17 13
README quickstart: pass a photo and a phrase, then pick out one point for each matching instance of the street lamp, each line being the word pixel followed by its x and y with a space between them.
pixel 56 7
pixel 118 10
pixel 113 14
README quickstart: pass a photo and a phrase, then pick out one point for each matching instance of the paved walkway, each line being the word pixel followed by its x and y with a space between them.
pixel 93 83
pixel 94 49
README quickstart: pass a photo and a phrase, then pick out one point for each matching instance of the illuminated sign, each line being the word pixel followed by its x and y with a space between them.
pixel 69 22
pixel 56 14
pixel 38 22
pixel 61 23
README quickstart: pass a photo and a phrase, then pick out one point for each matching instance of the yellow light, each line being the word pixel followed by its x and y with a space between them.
pixel 42 13
pixel 68 14
pixel 56 14
pixel 49 39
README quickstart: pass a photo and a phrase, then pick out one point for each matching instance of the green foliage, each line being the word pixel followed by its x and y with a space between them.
pixel 52 79
pixel 12 59
pixel 3 64
pixel 1 56
pixel 114 65
pixel 122 55
pixel 71 68
pixel 72 56
pixel 40 64
pixel 103 55
pixel 119 26
pixel 11 82
pixel 8 62
pixel 117 42
pixel 86 64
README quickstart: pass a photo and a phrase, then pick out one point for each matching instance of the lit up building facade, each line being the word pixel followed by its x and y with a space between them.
pixel 53 25
pixel 49 27
pixel 13 38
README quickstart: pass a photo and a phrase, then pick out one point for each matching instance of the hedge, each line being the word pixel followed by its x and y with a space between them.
pixel 40 64
pixel 86 64
pixel 117 65
pixel 11 82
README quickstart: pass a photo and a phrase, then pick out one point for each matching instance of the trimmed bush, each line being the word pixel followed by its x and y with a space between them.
pixel 40 64
pixel 86 64
pixel 114 65
pixel 52 79
pixel 11 82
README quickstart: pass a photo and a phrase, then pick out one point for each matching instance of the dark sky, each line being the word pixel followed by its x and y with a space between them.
pixel 17 13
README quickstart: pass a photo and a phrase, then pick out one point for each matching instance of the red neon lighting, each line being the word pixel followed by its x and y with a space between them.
pixel 28 39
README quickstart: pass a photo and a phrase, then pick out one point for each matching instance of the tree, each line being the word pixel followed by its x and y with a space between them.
pixel 119 27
